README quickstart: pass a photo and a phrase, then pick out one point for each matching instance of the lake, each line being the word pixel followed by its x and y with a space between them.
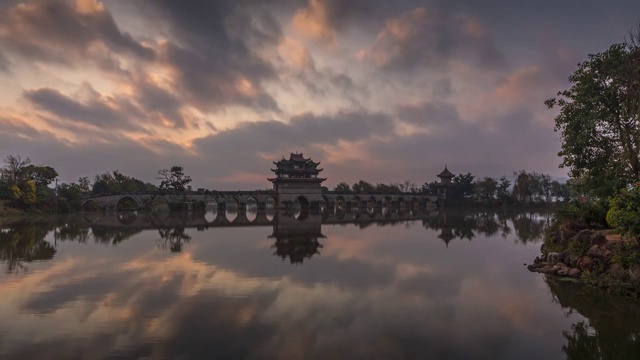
pixel 438 285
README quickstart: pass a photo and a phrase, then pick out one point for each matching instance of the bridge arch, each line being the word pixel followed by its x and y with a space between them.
pixel 91 205
pixel 231 205
pixel 127 202
pixel 305 207
pixel 251 208
pixel 211 211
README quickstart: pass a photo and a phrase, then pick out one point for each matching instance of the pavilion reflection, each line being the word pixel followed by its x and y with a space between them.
pixel 297 237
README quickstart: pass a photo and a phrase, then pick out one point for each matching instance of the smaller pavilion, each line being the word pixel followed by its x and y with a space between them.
pixel 445 181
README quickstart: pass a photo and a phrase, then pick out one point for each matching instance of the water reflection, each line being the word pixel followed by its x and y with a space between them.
pixel 610 330
pixel 429 285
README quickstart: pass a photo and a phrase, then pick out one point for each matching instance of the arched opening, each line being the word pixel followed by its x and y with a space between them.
pixel 387 206
pixel 91 206
pixel 270 208
pixel 356 204
pixel 160 207
pixel 372 205
pixel 340 203
pixel 127 203
pixel 251 208
pixel 231 209
pixel 211 211
pixel 301 208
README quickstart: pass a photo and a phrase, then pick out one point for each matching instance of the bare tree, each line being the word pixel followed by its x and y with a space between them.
pixel 14 167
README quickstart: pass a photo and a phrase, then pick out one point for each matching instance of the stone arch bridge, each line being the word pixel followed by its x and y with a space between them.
pixel 263 199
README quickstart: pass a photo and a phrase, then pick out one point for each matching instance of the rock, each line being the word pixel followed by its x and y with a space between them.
pixel 634 273
pixel 597 239
pixel 553 257
pixel 537 260
pixel 574 273
pixel 574 260
pixel 595 252
pixel 563 271
pixel 617 271
pixel 583 236
pixel 563 257
pixel 613 244
pixel 585 263
pixel 545 269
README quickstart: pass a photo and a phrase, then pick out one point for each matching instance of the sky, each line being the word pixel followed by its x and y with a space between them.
pixel 376 90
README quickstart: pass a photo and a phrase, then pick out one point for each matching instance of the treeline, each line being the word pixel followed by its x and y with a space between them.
pixel 28 187
pixel 525 188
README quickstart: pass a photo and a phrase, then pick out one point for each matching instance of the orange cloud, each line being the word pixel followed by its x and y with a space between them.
pixel 313 21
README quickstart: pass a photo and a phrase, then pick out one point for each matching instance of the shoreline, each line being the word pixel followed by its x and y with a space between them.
pixel 600 258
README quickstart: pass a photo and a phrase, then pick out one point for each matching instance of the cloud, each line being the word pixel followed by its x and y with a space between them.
pixel 215 52
pixel 105 113
pixel 425 38
pixel 64 32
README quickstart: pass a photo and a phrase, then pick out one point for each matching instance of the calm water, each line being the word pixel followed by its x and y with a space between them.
pixel 445 286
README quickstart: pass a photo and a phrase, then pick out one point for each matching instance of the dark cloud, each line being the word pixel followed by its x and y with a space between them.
pixel 427 38
pixel 58 31
pixel 101 112
pixel 215 51
pixel 429 113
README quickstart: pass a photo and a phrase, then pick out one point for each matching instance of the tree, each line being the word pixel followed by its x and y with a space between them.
pixel 342 187
pixel 173 178
pixel 42 175
pixel 29 193
pixel 503 189
pixel 363 187
pixel 462 186
pixel 599 118
pixel 486 188
pixel 14 168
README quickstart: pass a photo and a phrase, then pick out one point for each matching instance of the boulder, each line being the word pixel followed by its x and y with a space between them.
pixel 574 260
pixel 613 244
pixel 585 263
pixel 563 257
pixel 553 257
pixel 574 273
pixel 595 252
pixel 634 273
pixel 597 239
pixel 617 271
pixel 583 236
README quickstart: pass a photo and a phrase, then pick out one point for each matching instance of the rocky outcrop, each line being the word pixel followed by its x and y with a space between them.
pixel 587 255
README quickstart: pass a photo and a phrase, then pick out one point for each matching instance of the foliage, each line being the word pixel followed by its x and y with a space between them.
pixel 29 193
pixel 342 187
pixel 14 168
pixel 599 119
pixel 625 211
pixel 462 186
pixel 116 182
pixel 486 188
pixel 42 175
pixel 362 187
pixel 173 178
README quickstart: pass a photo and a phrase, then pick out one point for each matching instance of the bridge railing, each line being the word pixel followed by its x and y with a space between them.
pixel 171 192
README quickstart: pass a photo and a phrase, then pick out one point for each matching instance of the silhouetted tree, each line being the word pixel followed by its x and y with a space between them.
pixel 173 178
pixel 342 187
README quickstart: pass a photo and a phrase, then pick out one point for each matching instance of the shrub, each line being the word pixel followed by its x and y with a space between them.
pixel 625 211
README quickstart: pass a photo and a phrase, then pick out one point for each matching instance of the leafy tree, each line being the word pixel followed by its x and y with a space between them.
pixel 29 193
pixel 429 188
pixel 42 175
pixel 486 188
pixel 462 186
pixel 388 189
pixel 503 189
pixel 599 119
pixel 173 178
pixel 342 187
pixel 362 187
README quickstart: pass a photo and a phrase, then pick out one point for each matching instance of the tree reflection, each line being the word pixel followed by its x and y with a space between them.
pixel 611 329
pixel 173 238
pixel 469 224
pixel 24 243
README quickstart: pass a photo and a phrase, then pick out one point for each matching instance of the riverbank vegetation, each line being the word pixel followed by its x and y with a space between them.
pixel 599 123
pixel 524 189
